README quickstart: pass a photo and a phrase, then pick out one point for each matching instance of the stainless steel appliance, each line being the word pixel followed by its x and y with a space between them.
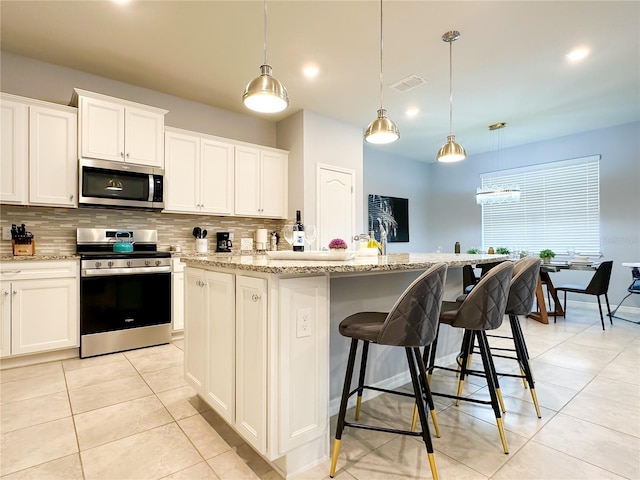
pixel 223 244
pixel 119 184
pixel 125 298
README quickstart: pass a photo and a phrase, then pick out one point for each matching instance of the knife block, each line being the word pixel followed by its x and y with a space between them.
pixel 22 249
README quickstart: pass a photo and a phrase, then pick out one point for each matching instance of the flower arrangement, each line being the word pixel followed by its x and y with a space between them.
pixel 337 244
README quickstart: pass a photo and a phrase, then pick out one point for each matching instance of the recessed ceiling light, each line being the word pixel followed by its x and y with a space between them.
pixel 577 54
pixel 412 111
pixel 121 2
pixel 310 71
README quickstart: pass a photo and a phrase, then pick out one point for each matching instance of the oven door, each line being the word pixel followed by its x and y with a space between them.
pixel 120 302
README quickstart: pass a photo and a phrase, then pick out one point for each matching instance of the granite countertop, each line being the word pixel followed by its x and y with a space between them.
pixel 39 257
pixel 388 263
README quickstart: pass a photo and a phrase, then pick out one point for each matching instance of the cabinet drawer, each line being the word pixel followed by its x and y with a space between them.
pixel 30 269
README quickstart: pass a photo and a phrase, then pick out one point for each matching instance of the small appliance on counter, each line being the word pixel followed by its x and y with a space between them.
pixel 223 243
pixel 22 241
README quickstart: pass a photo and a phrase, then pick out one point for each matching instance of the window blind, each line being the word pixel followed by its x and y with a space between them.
pixel 559 208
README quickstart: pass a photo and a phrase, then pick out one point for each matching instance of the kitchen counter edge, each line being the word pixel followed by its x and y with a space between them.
pixel 40 257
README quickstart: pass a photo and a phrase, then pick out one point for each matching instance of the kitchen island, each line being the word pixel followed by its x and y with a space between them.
pixel 262 346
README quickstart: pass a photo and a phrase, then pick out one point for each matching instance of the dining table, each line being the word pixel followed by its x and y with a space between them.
pixel 542 314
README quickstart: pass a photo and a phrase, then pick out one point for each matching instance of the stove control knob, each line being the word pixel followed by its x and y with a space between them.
pixel 129 263
pixel 98 264
pixel 147 263
pixel 158 263
pixel 109 264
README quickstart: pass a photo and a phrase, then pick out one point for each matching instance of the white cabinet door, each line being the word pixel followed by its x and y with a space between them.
pixel 251 360
pixel 53 165
pixel 13 151
pixel 220 385
pixel 273 171
pixel 101 129
pixel 144 135
pixel 195 329
pixel 44 315
pixel 247 181
pixel 177 301
pixel 5 319
pixel 182 185
pixel 216 177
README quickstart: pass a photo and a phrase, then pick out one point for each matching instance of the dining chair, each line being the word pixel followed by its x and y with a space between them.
pixel 411 324
pixel 599 285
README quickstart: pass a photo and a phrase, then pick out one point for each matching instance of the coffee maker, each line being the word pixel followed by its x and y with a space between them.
pixel 223 244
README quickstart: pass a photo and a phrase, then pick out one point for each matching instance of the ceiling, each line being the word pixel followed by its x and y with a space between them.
pixel 509 64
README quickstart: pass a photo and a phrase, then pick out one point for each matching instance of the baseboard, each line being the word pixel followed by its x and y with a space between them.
pixel 34 358
pixel 388 383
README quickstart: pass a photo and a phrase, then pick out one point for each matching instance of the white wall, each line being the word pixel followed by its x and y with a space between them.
pixel 312 138
pixel 392 176
pixel 52 83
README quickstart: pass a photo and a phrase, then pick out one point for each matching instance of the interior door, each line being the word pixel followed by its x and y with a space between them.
pixel 336 204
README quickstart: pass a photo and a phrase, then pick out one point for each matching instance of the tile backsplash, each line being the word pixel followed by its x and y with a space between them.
pixel 54 229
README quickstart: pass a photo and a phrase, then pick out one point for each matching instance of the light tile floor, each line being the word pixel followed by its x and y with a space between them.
pixel 131 416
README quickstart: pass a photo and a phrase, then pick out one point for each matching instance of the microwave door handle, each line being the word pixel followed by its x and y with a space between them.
pixel 151 188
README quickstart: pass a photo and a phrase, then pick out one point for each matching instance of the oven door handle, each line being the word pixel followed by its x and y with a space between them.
pixel 109 272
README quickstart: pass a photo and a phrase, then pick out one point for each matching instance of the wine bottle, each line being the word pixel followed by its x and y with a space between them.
pixel 298 234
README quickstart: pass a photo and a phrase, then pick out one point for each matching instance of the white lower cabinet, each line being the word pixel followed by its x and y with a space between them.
pixel 255 350
pixel 39 306
pixel 251 360
pixel 177 295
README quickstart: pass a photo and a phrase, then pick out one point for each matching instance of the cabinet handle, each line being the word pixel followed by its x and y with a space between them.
pixel 122 154
pixel 198 282
pixel 5 292
pixel 71 197
pixel 15 292
pixel 12 271
pixel 127 155
pixel 255 297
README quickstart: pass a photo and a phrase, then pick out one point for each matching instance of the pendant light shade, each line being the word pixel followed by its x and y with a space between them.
pixel 451 151
pixel 265 94
pixel 382 129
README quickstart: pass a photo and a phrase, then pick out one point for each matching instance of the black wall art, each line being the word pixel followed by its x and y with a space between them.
pixel 390 213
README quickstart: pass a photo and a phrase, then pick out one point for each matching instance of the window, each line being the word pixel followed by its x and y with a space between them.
pixel 559 208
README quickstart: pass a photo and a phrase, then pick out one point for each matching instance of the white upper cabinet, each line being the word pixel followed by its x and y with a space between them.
pixel 260 182
pixel 53 166
pixel 14 151
pixel 198 174
pixel 118 130
pixel 39 144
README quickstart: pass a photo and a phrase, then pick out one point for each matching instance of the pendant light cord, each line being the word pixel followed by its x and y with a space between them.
pixel 265 32
pixel 381 48
pixel 450 87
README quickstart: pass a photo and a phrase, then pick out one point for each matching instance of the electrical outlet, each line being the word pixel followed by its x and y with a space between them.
pixel 303 322
pixel 6 233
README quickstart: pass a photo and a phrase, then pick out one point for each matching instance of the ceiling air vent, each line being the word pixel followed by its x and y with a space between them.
pixel 409 83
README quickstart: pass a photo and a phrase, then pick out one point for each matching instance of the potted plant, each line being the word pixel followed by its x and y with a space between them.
pixel 546 255
pixel 473 251
pixel 503 251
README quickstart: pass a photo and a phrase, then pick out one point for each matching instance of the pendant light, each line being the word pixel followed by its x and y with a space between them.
pixel 265 94
pixel 451 151
pixel 497 191
pixel 382 129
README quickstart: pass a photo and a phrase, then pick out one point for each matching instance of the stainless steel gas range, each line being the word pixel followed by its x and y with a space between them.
pixel 125 297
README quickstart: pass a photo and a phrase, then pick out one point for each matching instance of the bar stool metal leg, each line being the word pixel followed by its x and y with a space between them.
pixel 488 365
pixel 343 405
pixel 363 368
pixel 413 357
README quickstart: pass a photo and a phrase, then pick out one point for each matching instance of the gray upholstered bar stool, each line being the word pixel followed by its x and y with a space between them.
pixel 481 310
pixel 411 324
pixel 522 294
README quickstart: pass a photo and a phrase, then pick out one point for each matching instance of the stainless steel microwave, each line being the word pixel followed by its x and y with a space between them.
pixel 116 184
